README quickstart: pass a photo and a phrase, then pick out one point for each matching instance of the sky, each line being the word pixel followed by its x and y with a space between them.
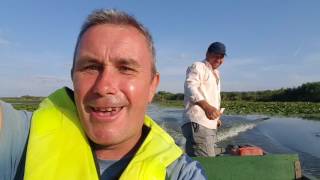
pixel 270 44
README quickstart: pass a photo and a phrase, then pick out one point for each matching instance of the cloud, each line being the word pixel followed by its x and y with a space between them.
pixel 242 65
pixel 174 85
pixel 297 51
pixel 184 56
pixel 176 58
pixel 32 85
pixel 4 42
pixel 312 59
pixel 242 74
pixel 173 71
pixel 33 73
pixel 51 79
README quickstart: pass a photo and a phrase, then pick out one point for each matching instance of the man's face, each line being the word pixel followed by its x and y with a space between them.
pixel 215 60
pixel 113 84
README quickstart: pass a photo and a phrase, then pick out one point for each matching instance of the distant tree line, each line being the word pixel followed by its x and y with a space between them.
pixel 308 92
pixel 163 96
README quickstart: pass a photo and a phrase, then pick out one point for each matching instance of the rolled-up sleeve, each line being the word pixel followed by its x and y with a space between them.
pixel 192 85
pixel 13 137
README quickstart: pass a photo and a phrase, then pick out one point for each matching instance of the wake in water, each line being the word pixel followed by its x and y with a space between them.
pixel 170 120
pixel 233 125
pixel 232 131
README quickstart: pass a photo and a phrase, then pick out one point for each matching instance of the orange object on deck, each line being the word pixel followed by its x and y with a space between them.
pixel 250 151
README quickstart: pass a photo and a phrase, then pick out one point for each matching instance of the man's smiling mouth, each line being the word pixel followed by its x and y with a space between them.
pixel 105 113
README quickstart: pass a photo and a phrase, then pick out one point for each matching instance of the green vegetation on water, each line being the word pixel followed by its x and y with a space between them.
pixel 29 103
pixel 303 101
pixel 28 107
pixel 290 109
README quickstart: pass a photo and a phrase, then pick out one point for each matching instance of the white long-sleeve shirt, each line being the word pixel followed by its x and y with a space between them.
pixel 202 83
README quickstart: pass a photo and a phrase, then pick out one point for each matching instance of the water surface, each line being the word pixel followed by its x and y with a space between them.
pixel 275 134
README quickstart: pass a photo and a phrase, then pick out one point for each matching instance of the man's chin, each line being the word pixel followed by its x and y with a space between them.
pixel 107 136
pixel 103 143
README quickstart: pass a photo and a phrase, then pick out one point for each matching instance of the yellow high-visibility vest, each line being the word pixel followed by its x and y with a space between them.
pixel 59 149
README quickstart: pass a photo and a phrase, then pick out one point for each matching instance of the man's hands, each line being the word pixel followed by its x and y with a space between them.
pixel 211 112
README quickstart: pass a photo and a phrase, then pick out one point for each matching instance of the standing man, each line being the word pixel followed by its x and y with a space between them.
pixel 100 129
pixel 202 102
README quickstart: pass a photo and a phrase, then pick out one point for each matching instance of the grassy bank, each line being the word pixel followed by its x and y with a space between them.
pixel 291 109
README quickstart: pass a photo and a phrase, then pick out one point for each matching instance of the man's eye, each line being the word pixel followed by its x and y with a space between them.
pixel 91 67
pixel 126 69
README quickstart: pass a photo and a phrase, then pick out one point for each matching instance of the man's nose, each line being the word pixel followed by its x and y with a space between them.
pixel 106 82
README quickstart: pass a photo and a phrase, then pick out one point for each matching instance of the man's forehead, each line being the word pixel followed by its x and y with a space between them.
pixel 109 31
pixel 216 55
pixel 114 37
pixel 92 58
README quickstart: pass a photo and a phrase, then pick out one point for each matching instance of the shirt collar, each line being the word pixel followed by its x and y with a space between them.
pixel 208 64
pixel 216 71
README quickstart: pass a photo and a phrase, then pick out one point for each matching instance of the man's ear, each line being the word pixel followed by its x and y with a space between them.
pixel 153 86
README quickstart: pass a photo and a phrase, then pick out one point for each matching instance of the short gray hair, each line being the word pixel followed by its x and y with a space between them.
pixel 116 17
